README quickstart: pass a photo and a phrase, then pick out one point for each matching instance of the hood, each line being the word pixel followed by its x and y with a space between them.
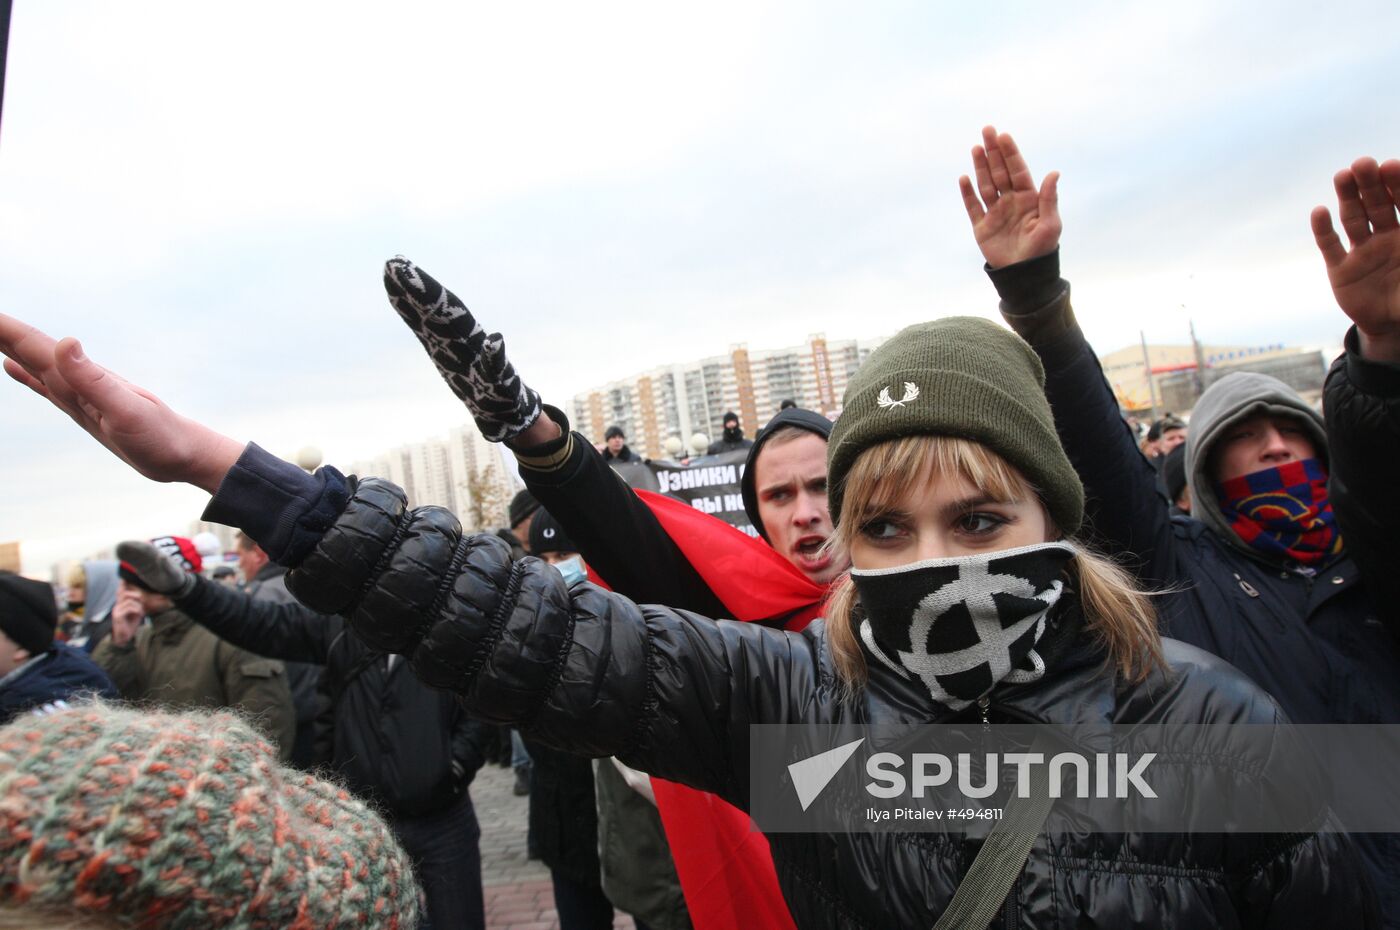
pixel 809 420
pixel 1233 398
pixel 101 592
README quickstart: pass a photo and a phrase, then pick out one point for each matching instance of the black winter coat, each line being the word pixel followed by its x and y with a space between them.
pixel 388 736
pixel 1326 647
pixel 673 694
pixel 64 673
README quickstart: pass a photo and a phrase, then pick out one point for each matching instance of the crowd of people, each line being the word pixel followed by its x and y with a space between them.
pixel 1138 579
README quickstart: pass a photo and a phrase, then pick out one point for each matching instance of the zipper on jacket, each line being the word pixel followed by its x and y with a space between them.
pixel 983 703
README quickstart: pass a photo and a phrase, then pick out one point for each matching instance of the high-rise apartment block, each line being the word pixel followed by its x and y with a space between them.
pixel 463 473
pixel 690 397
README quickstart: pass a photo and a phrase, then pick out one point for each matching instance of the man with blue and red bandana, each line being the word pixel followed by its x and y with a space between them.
pixel 1286 566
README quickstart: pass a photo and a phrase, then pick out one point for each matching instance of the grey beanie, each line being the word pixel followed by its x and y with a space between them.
pixel 964 377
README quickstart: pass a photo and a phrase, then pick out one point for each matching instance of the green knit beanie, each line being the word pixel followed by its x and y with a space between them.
pixel 964 377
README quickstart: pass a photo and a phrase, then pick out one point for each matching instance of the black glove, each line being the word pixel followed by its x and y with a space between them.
pixel 471 361
pixel 156 569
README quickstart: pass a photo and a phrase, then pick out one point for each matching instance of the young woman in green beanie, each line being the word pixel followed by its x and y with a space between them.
pixel 969 600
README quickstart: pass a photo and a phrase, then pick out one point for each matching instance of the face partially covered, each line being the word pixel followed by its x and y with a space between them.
pixel 946 516
pixel 1261 442
pixel 790 484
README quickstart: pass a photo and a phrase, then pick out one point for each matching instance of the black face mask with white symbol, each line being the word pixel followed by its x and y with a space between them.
pixel 962 625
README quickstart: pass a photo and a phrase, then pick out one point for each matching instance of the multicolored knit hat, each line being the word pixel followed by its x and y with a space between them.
pixel 187 820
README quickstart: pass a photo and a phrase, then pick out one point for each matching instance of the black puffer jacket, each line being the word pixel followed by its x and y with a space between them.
pixel 673 694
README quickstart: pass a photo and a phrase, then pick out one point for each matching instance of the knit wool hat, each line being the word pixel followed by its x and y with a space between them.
pixel 612 431
pixel 521 506
pixel 28 614
pixel 964 377
pixel 162 820
pixel 546 535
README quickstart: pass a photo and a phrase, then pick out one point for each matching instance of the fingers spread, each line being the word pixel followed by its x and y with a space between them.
pixel 996 160
pixel 1018 170
pixel 1380 210
pixel 1328 242
pixel 1350 210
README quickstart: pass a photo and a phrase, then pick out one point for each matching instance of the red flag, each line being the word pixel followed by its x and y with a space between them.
pixel 724 864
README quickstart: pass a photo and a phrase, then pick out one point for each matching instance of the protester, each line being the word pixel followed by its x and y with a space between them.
pixel 1294 586
pixel 522 510
pixel 35 670
pixel 266 580
pixel 175 663
pixel 388 737
pixel 635 866
pixel 91 620
pixel 1173 482
pixel 653 551
pixel 732 440
pixel 141 818
pixel 595 674
pixel 615 447
pixel 1162 437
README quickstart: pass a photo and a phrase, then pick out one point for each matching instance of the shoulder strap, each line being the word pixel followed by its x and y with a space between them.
pixel 1003 855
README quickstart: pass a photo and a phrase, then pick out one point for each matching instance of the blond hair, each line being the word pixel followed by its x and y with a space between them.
pixel 1116 611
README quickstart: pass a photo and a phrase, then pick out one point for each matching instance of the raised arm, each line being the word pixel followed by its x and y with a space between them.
pixel 1362 394
pixel 581 669
pixel 287 631
pixel 1017 227
pixel 616 532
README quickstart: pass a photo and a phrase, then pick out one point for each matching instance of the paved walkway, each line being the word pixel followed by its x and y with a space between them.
pixel 519 895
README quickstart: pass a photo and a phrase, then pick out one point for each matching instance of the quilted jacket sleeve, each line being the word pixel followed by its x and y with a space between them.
pixel 1362 401
pixel 582 669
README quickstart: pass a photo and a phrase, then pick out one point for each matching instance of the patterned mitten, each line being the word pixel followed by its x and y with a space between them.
pixel 471 361
pixel 155 567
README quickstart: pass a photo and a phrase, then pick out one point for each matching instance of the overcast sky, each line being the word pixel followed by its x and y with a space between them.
pixel 205 194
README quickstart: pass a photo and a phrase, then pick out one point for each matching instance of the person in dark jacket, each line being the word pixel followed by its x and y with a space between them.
pixel 966 476
pixel 615 447
pixel 411 750
pixel 732 439
pixel 1306 607
pixel 265 580
pixel 36 672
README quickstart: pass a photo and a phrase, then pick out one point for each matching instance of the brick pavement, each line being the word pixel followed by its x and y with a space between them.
pixel 519 895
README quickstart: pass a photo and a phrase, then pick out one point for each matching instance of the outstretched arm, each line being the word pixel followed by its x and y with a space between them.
pixel 130 421
pixel 1362 394
pixel 1017 227
pixel 616 532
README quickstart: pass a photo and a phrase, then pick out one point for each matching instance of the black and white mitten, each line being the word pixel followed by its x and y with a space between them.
pixel 471 361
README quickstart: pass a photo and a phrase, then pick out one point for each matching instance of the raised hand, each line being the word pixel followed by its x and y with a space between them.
pixel 471 361
pixel 1012 220
pixel 130 421
pixel 1366 279
pixel 127 614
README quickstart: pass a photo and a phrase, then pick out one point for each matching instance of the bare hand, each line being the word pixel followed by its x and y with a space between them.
pixel 1013 222
pixel 1366 280
pixel 130 421
pixel 127 615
